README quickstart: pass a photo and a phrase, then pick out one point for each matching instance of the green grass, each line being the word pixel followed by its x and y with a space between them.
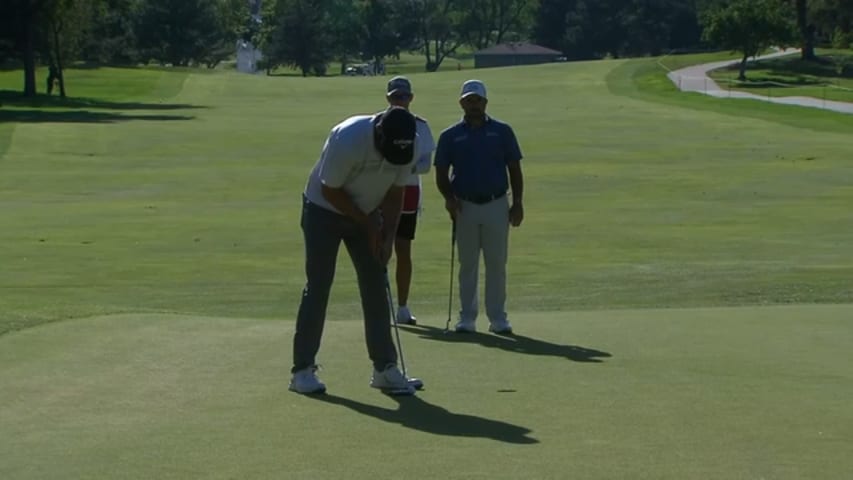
pixel 679 61
pixel 653 394
pixel 645 79
pixel 196 213
pixel 103 84
pixel 152 265
pixel 831 78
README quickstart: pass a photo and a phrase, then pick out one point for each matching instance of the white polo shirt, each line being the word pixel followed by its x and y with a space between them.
pixel 426 147
pixel 350 160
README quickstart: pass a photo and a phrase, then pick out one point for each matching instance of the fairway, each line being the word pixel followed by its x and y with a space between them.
pixel 681 286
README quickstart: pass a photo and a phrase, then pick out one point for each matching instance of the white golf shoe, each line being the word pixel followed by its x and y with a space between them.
pixel 306 381
pixel 392 381
pixel 501 328
pixel 465 326
pixel 405 317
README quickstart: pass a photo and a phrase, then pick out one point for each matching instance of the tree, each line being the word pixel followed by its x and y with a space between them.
pixel 584 29
pixel 111 37
pixel 487 22
pixel 748 27
pixel 549 25
pixel 23 27
pixel 300 37
pixel 806 29
pixel 67 24
pixel 261 33
pixel 381 33
pixel 234 20
pixel 8 35
pixel 347 30
pixel 437 24
pixel 833 17
pixel 592 29
pixel 181 32
pixel 653 26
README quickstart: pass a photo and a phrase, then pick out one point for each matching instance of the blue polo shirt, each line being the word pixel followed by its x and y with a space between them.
pixel 478 157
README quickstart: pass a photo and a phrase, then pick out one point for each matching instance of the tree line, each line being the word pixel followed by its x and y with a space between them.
pixel 311 34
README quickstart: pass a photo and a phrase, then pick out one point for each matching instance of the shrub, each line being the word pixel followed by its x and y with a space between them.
pixel 841 39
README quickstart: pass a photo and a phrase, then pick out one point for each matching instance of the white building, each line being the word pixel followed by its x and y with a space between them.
pixel 247 57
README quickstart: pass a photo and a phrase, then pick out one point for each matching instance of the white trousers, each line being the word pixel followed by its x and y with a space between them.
pixel 483 228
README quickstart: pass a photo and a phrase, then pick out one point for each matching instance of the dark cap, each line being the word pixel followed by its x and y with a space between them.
pixel 396 131
pixel 399 85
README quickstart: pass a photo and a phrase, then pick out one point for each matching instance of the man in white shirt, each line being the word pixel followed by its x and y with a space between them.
pixel 354 195
pixel 399 94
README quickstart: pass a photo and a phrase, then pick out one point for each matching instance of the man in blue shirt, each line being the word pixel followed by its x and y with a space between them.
pixel 485 159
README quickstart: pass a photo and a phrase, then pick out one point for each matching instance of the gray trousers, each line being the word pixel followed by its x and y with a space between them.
pixel 324 230
pixel 483 228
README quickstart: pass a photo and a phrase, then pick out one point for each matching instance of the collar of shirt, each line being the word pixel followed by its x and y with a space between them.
pixel 466 125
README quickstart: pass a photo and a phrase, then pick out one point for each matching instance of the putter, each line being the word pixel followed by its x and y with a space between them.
pixel 452 264
pixel 415 383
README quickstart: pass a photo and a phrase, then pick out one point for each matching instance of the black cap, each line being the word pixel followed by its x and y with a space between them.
pixel 396 131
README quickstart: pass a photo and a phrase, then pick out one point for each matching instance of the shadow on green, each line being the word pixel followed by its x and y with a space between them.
pixel 78 116
pixel 16 99
pixel 418 414
pixel 513 343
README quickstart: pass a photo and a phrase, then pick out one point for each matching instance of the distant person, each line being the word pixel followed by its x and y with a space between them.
pixel 399 94
pixel 354 195
pixel 485 159
pixel 52 78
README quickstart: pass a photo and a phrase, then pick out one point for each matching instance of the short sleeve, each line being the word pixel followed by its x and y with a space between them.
pixel 442 152
pixel 512 150
pixel 425 147
pixel 335 160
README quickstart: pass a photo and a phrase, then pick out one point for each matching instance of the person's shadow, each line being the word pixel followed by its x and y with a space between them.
pixel 417 414
pixel 512 343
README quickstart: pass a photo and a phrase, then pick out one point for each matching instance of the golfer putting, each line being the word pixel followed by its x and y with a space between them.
pixel 354 195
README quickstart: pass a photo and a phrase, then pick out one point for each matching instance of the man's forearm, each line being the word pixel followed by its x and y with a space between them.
pixel 516 182
pixel 442 181
pixel 343 203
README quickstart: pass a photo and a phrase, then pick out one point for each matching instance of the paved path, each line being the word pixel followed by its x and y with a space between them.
pixel 695 79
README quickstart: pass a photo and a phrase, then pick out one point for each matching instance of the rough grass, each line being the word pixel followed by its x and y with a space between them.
pixel 829 78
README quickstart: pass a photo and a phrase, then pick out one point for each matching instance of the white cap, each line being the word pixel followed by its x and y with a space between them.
pixel 473 87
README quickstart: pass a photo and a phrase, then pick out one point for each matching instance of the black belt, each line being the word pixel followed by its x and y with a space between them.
pixel 481 199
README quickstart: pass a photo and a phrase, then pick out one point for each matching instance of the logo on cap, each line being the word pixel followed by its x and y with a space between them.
pixel 399 85
pixel 398 130
pixel 473 87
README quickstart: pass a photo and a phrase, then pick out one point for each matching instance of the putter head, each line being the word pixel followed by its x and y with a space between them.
pixel 416 383
pixel 408 391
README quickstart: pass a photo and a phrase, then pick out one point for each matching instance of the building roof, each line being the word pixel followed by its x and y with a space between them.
pixel 517 48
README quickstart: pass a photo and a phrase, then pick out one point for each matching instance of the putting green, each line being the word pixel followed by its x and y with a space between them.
pixel 672 393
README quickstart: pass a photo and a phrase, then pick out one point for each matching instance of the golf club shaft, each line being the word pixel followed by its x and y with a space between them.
pixel 394 322
pixel 452 264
